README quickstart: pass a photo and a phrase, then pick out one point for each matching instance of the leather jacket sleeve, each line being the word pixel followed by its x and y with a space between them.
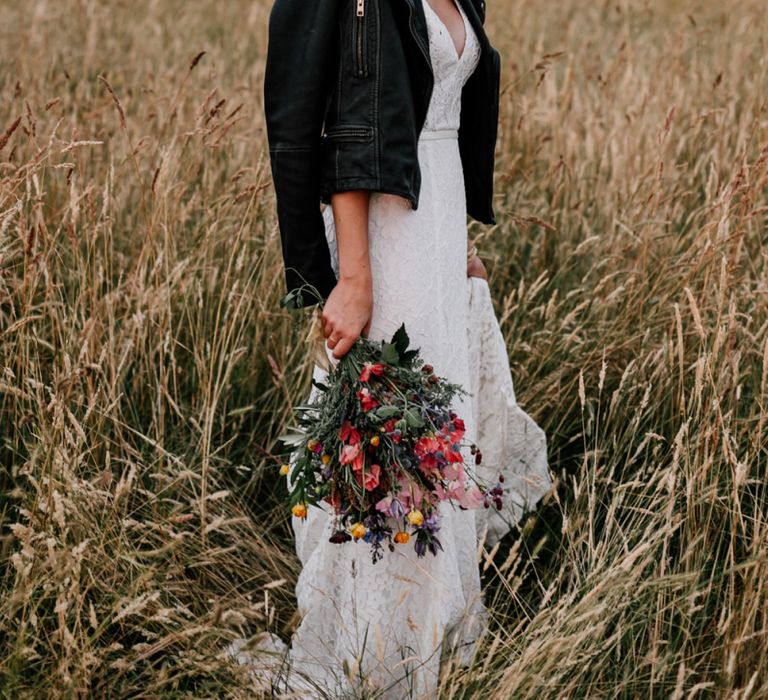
pixel 301 42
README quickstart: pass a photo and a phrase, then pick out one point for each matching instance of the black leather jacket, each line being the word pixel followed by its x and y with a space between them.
pixel 346 91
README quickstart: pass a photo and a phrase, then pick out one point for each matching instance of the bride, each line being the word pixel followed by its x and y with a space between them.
pixel 385 111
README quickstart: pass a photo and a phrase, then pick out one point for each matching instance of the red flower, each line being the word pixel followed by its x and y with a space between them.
pixel 348 433
pixel 453 454
pixel 458 432
pixel 426 445
pixel 366 399
pixel 369 368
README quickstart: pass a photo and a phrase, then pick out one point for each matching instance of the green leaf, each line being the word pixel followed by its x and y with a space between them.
pixel 389 354
pixel 413 418
pixel 293 437
pixel 408 356
pixel 387 411
pixel 292 300
pixel 400 340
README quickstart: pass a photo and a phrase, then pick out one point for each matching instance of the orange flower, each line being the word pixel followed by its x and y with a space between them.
pixel 358 531
pixel 375 441
pixel 299 510
pixel 402 537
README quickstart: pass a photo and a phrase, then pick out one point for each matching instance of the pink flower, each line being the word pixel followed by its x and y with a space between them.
pixel 471 498
pixel 372 477
pixel 369 368
pixel 349 453
pixel 409 494
pixel 453 471
pixel 370 480
pixel 391 506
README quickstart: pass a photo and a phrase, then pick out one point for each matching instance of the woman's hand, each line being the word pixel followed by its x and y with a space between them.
pixel 347 314
pixel 476 268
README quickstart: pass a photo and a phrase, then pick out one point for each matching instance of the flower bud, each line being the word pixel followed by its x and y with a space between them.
pixel 415 517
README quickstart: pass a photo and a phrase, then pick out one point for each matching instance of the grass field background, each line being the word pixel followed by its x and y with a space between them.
pixel 146 367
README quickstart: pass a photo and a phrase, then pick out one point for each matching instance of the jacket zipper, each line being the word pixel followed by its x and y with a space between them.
pixel 361 63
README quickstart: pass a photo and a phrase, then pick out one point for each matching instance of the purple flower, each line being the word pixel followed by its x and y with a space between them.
pixel 396 509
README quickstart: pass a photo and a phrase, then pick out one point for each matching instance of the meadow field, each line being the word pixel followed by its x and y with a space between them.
pixel 146 367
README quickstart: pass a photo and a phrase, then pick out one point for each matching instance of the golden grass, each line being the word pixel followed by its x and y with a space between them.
pixel 146 368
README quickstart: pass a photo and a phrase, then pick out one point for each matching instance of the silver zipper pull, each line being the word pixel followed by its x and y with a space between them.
pixel 360 8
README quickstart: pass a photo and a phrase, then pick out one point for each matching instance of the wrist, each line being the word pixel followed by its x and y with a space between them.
pixel 359 279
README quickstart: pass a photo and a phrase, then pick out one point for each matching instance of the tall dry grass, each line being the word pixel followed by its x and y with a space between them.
pixel 146 367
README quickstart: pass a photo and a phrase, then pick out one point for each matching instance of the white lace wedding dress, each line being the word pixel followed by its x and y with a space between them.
pixel 386 625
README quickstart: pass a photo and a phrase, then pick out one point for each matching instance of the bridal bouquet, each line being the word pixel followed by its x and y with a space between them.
pixel 382 447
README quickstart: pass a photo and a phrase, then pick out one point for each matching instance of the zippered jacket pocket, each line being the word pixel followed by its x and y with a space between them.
pixel 349 132
pixel 360 37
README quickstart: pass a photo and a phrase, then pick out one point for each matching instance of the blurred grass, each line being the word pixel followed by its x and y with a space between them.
pixel 146 367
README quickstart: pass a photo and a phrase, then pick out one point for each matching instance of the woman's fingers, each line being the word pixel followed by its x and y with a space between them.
pixel 340 341
pixel 476 268
pixel 327 325
pixel 342 347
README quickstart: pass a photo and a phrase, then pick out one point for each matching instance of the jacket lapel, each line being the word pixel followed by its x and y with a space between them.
pixel 418 23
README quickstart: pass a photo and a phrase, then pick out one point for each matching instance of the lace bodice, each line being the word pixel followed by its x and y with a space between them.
pixel 451 71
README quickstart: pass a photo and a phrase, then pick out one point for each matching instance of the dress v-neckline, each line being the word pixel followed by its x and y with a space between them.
pixel 459 56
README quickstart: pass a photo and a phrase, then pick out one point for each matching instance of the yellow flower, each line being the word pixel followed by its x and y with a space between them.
pixel 326 459
pixel 402 537
pixel 358 531
pixel 416 517
pixel 375 441
pixel 299 510
pixel 284 469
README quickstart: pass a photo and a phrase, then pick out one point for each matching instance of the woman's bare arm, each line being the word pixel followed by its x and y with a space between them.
pixel 347 311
